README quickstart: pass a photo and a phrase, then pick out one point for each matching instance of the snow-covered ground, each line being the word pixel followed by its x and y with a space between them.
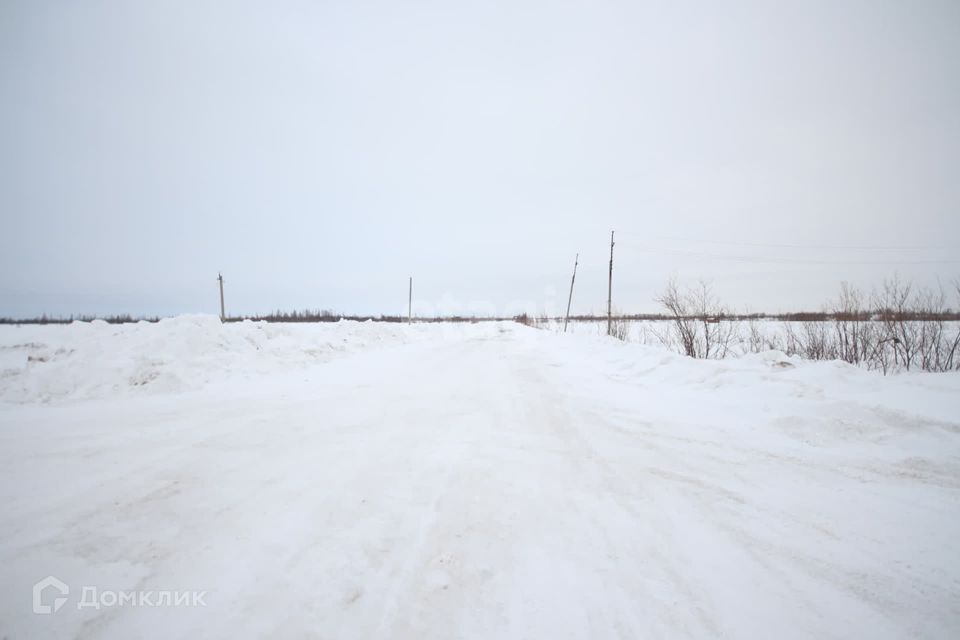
pixel 466 481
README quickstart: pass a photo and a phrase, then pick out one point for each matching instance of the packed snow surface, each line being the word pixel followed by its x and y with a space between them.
pixel 368 480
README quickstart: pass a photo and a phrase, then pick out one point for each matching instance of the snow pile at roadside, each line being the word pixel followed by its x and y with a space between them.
pixel 95 359
pixel 768 383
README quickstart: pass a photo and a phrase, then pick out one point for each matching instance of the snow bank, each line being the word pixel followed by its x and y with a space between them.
pixel 770 382
pixel 45 363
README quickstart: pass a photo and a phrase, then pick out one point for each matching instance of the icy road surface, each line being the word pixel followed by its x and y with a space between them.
pixel 487 481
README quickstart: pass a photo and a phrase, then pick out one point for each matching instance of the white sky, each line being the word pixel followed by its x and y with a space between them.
pixel 318 153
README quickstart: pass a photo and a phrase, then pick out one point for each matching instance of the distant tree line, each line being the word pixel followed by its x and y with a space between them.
pixel 306 315
pixel 47 319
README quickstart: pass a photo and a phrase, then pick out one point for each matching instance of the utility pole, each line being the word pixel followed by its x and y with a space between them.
pixel 410 302
pixel 566 319
pixel 610 290
pixel 223 314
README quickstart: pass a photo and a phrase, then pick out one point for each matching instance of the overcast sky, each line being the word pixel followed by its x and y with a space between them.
pixel 319 153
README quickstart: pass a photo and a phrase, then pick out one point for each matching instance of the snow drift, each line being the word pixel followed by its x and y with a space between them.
pixel 44 363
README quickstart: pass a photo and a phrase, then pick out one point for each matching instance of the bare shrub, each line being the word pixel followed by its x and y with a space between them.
pixel 892 306
pixel 936 347
pixel 620 328
pixel 854 336
pixel 700 328
pixel 952 356
pixel 815 342
pixel 524 319
pixel 758 340
pixel 683 323
pixel 791 342
pixel 901 327
pixel 914 333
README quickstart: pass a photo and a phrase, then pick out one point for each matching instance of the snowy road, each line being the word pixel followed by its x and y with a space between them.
pixel 495 482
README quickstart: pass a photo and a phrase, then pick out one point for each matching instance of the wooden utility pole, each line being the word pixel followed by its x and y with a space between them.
pixel 610 290
pixel 410 302
pixel 223 314
pixel 566 319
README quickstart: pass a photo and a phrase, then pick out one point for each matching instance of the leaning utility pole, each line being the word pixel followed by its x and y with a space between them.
pixel 610 289
pixel 566 319
pixel 223 314
pixel 410 302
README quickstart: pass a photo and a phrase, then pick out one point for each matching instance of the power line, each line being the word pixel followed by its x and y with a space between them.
pixel 772 245
pixel 782 260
